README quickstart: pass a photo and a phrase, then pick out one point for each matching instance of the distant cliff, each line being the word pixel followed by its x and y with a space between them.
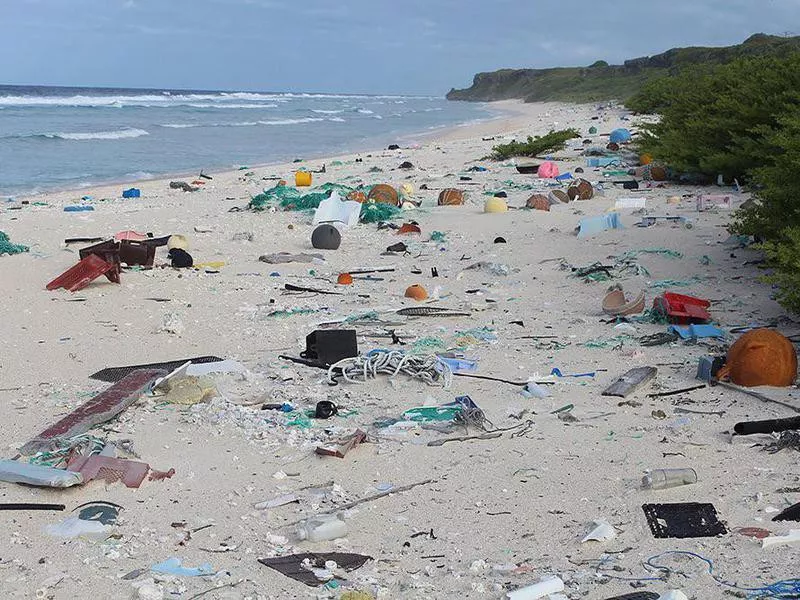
pixel 602 81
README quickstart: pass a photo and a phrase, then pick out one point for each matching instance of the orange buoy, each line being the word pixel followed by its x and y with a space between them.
pixel 451 197
pixel 538 201
pixel 344 279
pixel 409 228
pixel 384 194
pixel 302 179
pixel 416 292
pixel 645 159
pixel 761 357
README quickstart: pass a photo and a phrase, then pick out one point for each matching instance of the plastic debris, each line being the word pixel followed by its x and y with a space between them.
pixel 173 566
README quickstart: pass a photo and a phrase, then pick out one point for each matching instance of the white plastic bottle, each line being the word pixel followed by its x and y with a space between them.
pixel 322 528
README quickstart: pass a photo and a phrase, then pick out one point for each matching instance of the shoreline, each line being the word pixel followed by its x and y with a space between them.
pixel 514 119
pixel 565 456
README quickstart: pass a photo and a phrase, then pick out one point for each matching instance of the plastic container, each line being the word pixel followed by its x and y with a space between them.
pixel 661 479
pixel 322 528
pixel 302 179
pixel 537 590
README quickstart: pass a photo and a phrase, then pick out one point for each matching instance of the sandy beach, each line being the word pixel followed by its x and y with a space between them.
pixel 498 513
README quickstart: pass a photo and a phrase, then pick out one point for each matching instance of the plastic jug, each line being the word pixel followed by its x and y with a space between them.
pixel 661 479
pixel 333 210
pixel 322 528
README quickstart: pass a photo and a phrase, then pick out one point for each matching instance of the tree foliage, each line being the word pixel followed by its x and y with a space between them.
pixel 740 120
pixel 720 121
pixel 552 142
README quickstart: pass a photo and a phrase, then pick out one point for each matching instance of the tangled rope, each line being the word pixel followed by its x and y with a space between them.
pixel 786 588
pixel 358 369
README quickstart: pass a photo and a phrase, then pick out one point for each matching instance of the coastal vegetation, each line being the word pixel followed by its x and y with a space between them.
pixel 533 146
pixel 601 81
pixel 740 120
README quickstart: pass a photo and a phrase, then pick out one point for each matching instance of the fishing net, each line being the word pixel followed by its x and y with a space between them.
pixel 374 213
pixel 290 198
pixel 6 247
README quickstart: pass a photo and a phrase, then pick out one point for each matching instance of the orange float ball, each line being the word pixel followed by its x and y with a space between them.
pixel 416 292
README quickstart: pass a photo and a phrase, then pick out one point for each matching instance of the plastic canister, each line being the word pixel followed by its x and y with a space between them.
pixel 302 178
pixel 322 528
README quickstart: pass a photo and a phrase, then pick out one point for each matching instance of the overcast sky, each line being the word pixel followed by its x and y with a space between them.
pixel 369 46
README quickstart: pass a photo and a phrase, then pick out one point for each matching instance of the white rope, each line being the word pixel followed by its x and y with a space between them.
pixel 358 369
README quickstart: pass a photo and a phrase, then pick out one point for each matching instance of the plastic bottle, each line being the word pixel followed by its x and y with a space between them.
pixel 661 479
pixel 323 528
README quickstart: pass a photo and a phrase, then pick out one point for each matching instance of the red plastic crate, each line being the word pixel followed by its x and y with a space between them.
pixel 82 274
pixel 681 309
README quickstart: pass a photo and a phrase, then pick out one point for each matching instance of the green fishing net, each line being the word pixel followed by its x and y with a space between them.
pixel 374 213
pixel 290 198
pixel 6 247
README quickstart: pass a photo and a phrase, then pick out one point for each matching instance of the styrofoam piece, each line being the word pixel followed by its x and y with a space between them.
pixel 602 532
pixel 12 471
pixel 222 366
pixel 537 590
pixel 673 595
pixel 793 537
pixel 276 502
pixel 334 210
pixel 631 202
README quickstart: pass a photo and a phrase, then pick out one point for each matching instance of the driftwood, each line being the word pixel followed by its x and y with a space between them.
pixel 631 381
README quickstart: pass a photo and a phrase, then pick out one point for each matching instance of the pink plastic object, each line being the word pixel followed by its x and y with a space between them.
pixel 548 170
pixel 130 235
pixel 706 201
pixel 110 469
pixel 681 309
pixel 82 274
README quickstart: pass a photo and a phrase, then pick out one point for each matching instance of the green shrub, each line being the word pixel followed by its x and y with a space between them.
pixel 552 142
pixel 718 121
pixel 783 256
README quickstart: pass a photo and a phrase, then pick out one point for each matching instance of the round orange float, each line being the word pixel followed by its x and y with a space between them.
pixel 416 292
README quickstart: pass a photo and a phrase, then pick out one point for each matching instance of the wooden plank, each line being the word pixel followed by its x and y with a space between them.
pixel 631 381
pixel 103 407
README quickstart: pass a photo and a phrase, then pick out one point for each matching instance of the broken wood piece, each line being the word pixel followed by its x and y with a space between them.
pixel 103 407
pixel 631 381
pixel 342 446
pixel 465 438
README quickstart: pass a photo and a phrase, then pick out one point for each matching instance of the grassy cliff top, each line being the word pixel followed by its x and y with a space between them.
pixel 601 81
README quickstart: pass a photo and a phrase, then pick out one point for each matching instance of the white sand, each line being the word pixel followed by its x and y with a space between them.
pixel 504 511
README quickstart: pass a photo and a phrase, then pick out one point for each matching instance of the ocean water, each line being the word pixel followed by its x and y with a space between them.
pixel 61 138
